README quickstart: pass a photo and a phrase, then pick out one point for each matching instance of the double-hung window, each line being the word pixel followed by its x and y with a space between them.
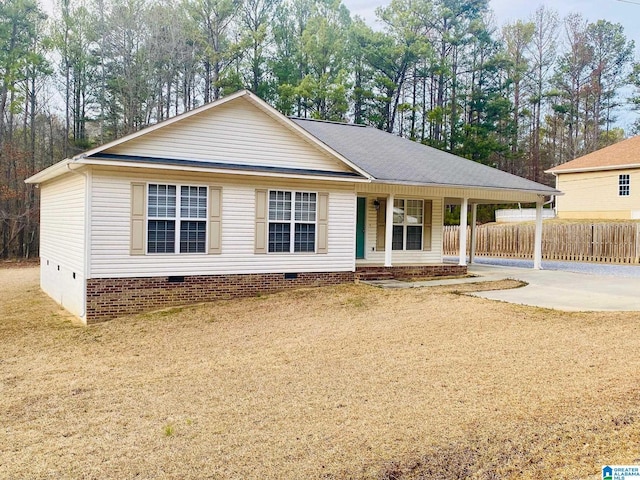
pixel 408 223
pixel 292 221
pixel 624 185
pixel 176 219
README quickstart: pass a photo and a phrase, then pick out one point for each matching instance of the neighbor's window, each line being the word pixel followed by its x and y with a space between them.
pixel 292 221
pixel 623 185
pixel 408 224
pixel 176 219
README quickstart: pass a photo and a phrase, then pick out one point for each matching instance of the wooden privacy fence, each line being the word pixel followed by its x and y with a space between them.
pixel 594 242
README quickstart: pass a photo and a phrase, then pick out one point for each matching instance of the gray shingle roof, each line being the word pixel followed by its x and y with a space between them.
pixel 390 158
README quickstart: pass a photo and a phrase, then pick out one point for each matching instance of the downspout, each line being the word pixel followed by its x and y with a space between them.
pixel 87 232
pixel 474 232
pixel 550 201
pixel 555 207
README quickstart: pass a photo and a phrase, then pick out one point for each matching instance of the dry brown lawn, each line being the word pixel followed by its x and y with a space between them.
pixel 344 382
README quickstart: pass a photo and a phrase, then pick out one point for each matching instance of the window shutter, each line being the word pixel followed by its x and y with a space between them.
pixel 381 224
pixel 262 212
pixel 323 223
pixel 426 229
pixel 215 220
pixel 138 211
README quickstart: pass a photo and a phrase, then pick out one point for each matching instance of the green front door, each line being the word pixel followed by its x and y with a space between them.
pixel 360 223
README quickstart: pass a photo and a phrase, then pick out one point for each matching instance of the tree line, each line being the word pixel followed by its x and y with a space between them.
pixel 521 97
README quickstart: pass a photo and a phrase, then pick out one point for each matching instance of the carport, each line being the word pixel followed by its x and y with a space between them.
pixel 472 203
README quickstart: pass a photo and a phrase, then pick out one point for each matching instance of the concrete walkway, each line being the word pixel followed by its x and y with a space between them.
pixel 559 290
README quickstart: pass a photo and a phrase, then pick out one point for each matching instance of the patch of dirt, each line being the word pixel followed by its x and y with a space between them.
pixel 481 286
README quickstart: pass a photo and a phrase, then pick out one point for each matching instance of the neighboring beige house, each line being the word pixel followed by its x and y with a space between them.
pixel 235 199
pixel 601 185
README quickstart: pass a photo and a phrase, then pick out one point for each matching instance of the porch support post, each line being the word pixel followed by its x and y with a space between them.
pixel 388 233
pixel 463 232
pixel 537 243
pixel 474 216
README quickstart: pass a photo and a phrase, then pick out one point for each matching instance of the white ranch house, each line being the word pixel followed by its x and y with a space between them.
pixel 234 198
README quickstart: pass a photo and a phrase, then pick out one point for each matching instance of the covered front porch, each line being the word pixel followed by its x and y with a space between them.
pixel 410 219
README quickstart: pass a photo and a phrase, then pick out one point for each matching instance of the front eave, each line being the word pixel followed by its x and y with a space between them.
pixel 243 170
pixel 546 192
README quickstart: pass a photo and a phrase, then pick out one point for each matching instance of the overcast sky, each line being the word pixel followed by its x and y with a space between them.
pixel 625 12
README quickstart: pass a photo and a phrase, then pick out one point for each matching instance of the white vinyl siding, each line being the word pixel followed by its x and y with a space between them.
pixel 236 133
pixel 62 221
pixel 111 211
pixel 62 241
pixel 404 257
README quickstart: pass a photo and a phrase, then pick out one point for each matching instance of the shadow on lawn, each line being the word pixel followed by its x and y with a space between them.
pixel 532 452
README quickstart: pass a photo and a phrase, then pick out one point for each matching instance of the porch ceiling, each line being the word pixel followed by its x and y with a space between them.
pixel 480 201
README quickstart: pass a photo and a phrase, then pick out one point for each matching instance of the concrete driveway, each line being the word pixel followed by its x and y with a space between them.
pixel 561 290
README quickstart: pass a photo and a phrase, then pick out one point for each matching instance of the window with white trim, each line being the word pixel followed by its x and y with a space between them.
pixel 408 223
pixel 176 222
pixel 624 185
pixel 292 221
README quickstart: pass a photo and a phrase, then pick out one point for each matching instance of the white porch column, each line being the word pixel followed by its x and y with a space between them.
pixel 537 243
pixel 474 216
pixel 388 233
pixel 463 231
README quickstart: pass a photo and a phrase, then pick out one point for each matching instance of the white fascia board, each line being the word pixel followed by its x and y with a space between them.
pixel 203 169
pixel 51 172
pixel 593 169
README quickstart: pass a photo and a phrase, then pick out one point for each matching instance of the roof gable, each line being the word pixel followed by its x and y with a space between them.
pixel 623 154
pixel 238 132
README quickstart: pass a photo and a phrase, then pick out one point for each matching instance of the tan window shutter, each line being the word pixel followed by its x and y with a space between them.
pixel 262 212
pixel 138 214
pixel 426 229
pixel 323 223
pixel 381 224
pixel 215 220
